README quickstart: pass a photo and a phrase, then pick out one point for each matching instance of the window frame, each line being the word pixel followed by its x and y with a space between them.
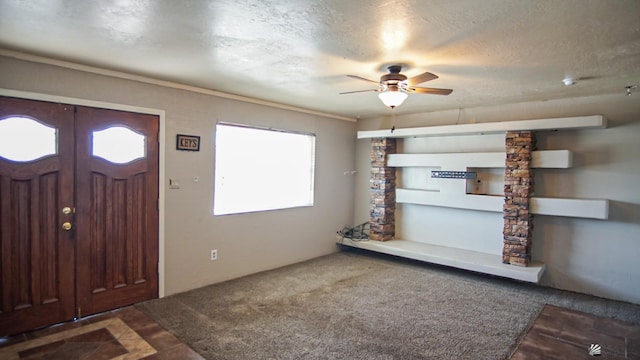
pixel 309 178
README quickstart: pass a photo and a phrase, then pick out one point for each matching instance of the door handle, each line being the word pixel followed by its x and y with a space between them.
pixel 66 226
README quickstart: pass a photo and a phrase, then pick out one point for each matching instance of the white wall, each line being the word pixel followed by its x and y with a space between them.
pixel 599 257
pixel 246 243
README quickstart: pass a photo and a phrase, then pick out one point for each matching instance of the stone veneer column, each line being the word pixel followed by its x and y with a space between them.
pixel 382 198
pixel 518 188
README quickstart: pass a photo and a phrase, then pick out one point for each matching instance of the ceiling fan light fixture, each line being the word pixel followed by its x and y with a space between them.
pixel 392 98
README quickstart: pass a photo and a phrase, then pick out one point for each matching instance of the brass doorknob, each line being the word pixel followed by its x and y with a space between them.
pixel 66 226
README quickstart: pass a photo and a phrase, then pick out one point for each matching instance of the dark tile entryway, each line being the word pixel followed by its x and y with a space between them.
pixel 125 333
pixel 560 333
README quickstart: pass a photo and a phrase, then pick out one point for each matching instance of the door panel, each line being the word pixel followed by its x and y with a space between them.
pixel 117 215
pixel 36 254
pixel 108 255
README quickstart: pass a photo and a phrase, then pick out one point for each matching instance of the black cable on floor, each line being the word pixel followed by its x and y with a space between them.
pixel 356 233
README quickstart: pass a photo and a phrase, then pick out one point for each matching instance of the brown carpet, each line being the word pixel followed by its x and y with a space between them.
pixel 360 305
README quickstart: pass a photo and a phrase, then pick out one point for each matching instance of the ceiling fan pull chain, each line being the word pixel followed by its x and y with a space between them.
pixel 393 119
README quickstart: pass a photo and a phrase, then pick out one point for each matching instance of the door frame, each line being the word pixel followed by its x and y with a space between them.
pixel 162 146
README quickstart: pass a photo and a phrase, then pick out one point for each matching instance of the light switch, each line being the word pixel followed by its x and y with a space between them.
pixel 174 184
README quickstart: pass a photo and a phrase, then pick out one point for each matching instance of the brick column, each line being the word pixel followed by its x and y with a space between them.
pixel 518 188
pixel 382 198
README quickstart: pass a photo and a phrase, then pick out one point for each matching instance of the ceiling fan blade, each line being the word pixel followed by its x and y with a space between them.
pixel 361 78
pixel 433 91
pixel 419 79
pixel 358 91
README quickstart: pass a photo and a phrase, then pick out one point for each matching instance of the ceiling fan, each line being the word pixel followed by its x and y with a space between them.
pixel 394 86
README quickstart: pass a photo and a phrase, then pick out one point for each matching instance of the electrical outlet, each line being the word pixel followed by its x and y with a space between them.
pixel 214 254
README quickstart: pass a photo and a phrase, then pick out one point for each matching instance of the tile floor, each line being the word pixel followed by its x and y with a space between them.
pixel 125 333
pixel 560 333
pixel 128 333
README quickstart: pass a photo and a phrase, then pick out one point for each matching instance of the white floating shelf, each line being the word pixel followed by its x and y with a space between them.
pixel 454 257
pixel 446 161
pixel 437 198
pixel 583 208
pixel 551 159
pixel 579 122
pixel 580 208
pixel 556 159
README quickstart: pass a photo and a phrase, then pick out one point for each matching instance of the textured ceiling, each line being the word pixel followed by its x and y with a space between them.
pixel 298 52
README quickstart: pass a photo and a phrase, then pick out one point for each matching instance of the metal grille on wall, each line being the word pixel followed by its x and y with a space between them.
pixel 453 174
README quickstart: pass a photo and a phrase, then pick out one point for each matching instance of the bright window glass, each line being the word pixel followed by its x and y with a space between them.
pixel 24 139
pixel 118 144
pixel 262 169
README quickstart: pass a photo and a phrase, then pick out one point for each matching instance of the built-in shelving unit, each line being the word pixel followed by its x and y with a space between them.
pixel 454 193
pixel 454 257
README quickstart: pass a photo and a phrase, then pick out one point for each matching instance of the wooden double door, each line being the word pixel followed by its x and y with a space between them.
pixel 79 216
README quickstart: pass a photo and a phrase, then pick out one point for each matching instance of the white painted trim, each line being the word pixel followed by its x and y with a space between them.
pixel 161 166
pixel 578 122
pixel 557 159
pixel 454 257
pixel 163 83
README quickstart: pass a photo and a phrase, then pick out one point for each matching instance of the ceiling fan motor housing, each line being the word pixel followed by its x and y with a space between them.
pixel 394 76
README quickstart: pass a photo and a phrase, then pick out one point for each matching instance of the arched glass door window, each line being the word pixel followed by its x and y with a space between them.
pixel 119 145
pixel 23 139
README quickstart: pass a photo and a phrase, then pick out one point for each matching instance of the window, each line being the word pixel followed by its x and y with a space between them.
pixel 23 139
pixel 119 144
pixel 262 169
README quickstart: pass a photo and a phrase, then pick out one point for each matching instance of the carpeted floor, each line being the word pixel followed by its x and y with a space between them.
pixel 361 305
